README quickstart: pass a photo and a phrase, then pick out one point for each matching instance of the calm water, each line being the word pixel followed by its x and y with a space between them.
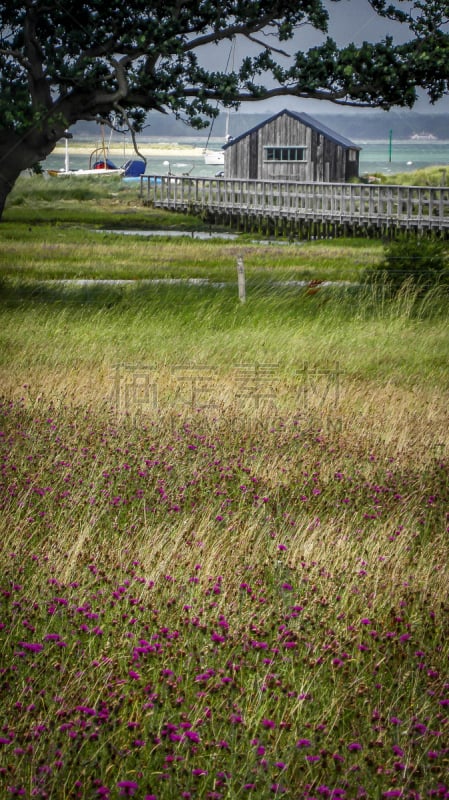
pixel 177 164
pixel 406 156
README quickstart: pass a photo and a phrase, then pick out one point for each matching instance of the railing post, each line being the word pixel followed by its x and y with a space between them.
pixel 307 201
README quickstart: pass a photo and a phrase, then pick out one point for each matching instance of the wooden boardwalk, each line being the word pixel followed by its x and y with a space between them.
pixel 304 208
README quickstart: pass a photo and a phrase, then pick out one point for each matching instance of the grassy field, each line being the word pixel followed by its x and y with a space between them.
pixel 224 527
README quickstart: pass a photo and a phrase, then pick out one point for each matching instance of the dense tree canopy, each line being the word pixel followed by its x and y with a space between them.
pixel 70 61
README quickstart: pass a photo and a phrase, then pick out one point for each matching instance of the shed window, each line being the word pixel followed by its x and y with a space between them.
pixel 285 153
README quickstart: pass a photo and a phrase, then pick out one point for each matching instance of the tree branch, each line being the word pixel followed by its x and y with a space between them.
pixel 122 81
pixel 18 56
pixel 228 33
pixel 39 89
pixel 267 46
pixel 131 130
pixel 338 97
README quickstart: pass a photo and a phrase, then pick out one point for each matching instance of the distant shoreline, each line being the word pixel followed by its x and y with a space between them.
pixel 162 149
pixel 407 155
pixel 165 147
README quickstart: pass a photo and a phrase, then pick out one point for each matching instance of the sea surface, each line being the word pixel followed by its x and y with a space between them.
pixel 375 156
pixel 406 155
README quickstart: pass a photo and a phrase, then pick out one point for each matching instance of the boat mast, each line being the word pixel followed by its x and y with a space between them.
pixel 104 147
pixel 66 159
pixel 227 136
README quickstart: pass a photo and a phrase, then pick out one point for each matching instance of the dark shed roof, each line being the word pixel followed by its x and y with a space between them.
pixel 305 120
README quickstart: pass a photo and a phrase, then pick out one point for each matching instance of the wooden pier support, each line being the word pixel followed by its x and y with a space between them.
pixel 307 210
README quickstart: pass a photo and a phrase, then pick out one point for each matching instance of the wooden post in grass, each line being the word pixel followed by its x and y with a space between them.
pixel 241 279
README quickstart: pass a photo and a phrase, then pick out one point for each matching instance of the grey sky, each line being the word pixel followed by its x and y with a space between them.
pixel 349 21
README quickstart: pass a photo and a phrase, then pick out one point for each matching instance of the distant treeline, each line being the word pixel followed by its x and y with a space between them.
pixel 356 126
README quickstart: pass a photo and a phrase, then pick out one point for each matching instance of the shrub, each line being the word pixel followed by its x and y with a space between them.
pixel 417 262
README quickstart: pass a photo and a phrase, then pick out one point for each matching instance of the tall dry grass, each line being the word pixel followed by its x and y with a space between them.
pixel 224 544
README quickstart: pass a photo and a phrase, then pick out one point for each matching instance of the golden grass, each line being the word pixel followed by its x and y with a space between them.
pixel 85 531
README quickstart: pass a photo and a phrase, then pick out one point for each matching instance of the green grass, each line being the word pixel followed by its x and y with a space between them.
pixel 47 233
pixel 197 604
pixel 85 202
pixel 96 325
pixel 223 531
pixel 93 327
pixel 55 252
pixel 428 176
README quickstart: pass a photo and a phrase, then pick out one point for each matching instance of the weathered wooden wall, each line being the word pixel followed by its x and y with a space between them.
pixel 345 207
pixel 326 160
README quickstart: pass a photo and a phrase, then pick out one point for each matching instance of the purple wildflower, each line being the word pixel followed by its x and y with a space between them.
pixel 193 736
pixel 127 788
pixel 90 712
pixel 33 647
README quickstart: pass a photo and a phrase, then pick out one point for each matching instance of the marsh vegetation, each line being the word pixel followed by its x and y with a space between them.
pixel 224 528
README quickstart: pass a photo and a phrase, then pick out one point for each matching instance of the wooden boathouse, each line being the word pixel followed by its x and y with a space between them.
pixel 291 146
pixel 291 175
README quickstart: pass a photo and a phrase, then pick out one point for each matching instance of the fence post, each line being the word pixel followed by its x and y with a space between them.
pixel 241 279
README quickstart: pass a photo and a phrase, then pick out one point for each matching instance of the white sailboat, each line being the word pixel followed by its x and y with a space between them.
pixel 99 164
pixel 216 157
pixel 213 157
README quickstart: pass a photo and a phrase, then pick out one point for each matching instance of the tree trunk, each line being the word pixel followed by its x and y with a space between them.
pixel 18 154
pixel 3 195
pixel 7 181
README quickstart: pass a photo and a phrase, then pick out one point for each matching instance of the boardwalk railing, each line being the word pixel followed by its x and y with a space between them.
pixel 366 206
